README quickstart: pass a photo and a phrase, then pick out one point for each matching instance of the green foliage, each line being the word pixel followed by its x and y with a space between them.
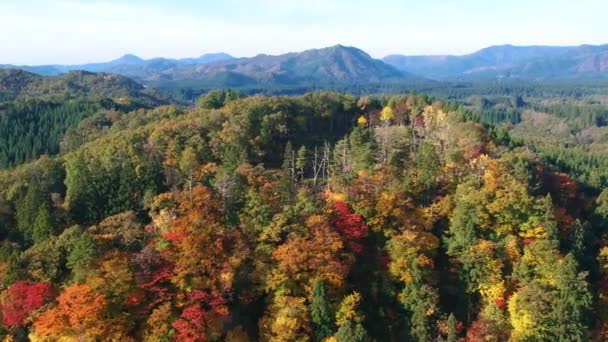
pixel 81 257
pixel 250 219
pixel 320 312
pixel 352 331
pixel 217 98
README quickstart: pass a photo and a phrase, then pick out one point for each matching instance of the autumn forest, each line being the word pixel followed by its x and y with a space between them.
pixel 318 217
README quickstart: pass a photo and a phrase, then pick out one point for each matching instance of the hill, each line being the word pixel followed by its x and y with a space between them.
pixel 37 111
pixel 508 61
pixel 18 84
pixel 318 217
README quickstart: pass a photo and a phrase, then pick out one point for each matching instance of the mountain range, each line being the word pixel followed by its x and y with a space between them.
pixel 508 61
pixel 349 65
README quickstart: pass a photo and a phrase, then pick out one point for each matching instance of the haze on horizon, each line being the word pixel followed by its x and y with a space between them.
pixel 77 31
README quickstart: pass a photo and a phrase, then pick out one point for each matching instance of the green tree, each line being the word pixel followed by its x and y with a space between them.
pixel 320 312
pixel 452 329
pixel 82 256
pixel 43 225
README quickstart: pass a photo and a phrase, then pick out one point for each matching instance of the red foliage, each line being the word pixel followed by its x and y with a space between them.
pixel 174 236
pixel 477 332
pixel 203 309
pixel 154 277
pixel 563 219
pixel 135 298
pixel 476 151
pixel 383 261
pixel 356 247
pixel 500 303
pixel 351 226
pixel 21 299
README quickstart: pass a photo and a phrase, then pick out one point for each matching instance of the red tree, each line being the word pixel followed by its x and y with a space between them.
pixel 21 299
pixel 351 226
pixel 203 311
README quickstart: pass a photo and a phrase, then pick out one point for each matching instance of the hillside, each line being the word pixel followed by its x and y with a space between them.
pixel 36 111
pixel 293 218
pixel 17 84
pixel 508 61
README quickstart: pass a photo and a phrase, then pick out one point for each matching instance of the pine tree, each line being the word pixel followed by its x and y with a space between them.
pixel 82 255
pixel 320 312
pixel 452 331
pixel 352 332
pixel 43 225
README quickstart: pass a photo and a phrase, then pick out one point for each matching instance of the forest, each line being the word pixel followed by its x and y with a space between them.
pixel 317 217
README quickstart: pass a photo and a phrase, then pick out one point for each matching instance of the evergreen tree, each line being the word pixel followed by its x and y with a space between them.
pixel 452 330
pixel 352 332
pixel 320 312
pixel 43 225
pixel 82 255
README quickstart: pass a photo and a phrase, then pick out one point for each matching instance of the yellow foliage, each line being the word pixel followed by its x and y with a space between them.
pixel 512 248
pixel 491 292
pixel 534 233
pixel 158 324
pixel 521 320
pixel 334 196
pixel 33 337
pixel 603 258
pixel 362 121
pixel 286 321
pixel 386 114
pixel 348 309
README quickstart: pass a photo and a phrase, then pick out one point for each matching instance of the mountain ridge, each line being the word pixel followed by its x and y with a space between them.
pixel 340 64
pixel 537 62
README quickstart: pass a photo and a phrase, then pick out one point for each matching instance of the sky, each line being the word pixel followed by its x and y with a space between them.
pixel 35 32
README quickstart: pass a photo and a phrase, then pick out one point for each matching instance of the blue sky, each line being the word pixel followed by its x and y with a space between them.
pixel 77 31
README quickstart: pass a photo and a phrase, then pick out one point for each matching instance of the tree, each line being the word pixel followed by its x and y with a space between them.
pixel 79 314
pixel 350 320
pixel 187 164
pixel 302 162
pixel 288 174
pixel 387 114
pixel 452 329
pixel 320 312
pixel 33 216
pixel 286 320
pixel 21 299
pixel 81 257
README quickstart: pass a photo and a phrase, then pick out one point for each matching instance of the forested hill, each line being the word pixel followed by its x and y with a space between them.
pixel 321 217
pixel 16 84
pixel 36 112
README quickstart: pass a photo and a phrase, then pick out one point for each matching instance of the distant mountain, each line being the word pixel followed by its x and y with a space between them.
pixel 333 65
pixel 128 65
pixel 508 61
pixel 17 84
pixel 339 65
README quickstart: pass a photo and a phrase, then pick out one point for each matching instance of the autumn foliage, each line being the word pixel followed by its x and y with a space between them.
pixel 21 299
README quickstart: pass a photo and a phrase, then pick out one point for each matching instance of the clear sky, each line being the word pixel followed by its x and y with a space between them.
pixel 77 31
